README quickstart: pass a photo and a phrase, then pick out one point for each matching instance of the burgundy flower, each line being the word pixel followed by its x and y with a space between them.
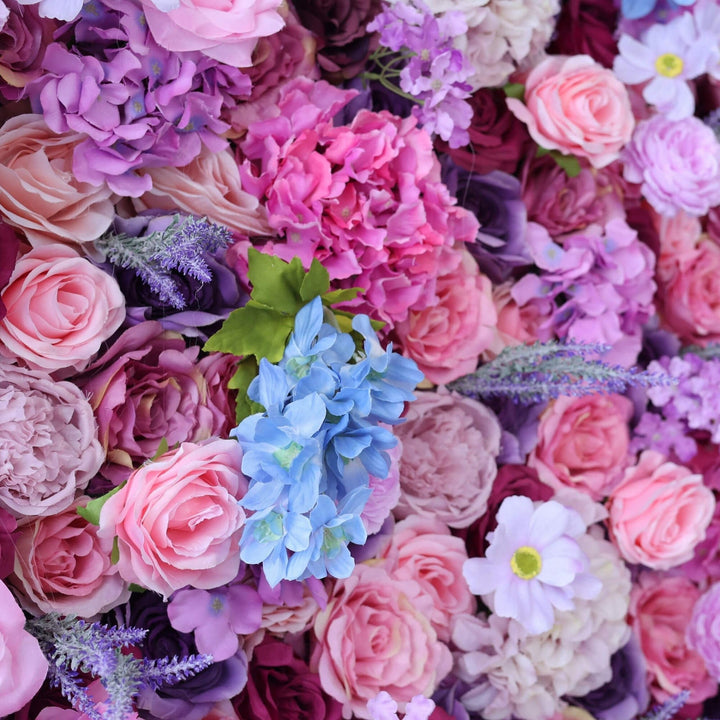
pixel 9 245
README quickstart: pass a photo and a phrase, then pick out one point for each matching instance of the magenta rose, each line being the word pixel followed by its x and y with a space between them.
pixel 374 635
pixel 660 611
pixel 60 309
pixel 177 520
pixel 280 686
pixel 659 512
pixel 23 666
pixel 150 386
pixel 61 565
pixel 574 105
pixel 583 443
pixel 448 465
pixel 49 448
pixel 447 338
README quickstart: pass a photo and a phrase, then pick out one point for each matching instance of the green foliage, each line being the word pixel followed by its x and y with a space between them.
pixel 91 511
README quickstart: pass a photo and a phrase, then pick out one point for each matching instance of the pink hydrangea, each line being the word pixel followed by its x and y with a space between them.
pixel 703 630
pixel 365 198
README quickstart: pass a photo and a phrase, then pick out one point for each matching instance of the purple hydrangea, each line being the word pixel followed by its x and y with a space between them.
pixel 703 630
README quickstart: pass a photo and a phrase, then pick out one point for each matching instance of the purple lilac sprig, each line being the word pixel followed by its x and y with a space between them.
pixel 180 245
pixel 668 709
pixel 74 647
pixel 416 59
pixel 533 373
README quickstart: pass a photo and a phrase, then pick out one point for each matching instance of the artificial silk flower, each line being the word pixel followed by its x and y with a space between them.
pixel 533 565
pixel 666 58
pixel 635 9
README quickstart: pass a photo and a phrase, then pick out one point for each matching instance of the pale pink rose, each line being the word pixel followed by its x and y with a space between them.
pixel 177 519
pixel 448 463
pixel 282 618
pixel 583 443
pixel 49 449
pixel 385 493
pixel 38 191
pixel 60 309
pixel 374 635
pixel 61 565
pixel 225 30
pixel 23 666
pixel 679 236
pixel 208 187
pixel 423 550
pixel 515 325
pixel 659 512
pixel 660 610
pixel 447 338
pixel 574 105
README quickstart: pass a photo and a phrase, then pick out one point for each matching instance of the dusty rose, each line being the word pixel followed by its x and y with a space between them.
pixel 583 443
pixel 423 550
pixel 576 106
pixel 61 565
pixel 48 442
pixel 659 512
pixel 208 187
pixel 660 610
pixel 177 519
pixel 226 31
pixel 448 465
pixel 23 666
pixel 60 309
pixel 38 191
pixel 149 386
pixel 447 338
pixel 374 635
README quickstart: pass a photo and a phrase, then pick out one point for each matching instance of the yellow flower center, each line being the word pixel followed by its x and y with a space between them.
pixel 526 563
pixel 669 65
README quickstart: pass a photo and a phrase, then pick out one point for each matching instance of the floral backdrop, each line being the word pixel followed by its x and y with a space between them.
pixel 359 359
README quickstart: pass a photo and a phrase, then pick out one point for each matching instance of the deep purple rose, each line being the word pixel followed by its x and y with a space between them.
pixel 344 44
pixel 282 687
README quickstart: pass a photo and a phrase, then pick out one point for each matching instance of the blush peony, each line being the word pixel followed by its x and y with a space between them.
pixel 177 519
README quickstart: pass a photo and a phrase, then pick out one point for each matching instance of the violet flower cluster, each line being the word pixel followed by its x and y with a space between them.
pixel 427 67
pixel 309 455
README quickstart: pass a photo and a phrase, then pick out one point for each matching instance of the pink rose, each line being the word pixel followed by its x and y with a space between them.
pixel 576 106
pixel 515 325
pixel 659 512
pixel 374 635
pixel 583 443
pixel 23 666
pixel 422 550
pixel 660 611
pixel 225 30
pixel 48 442
pixel 447 338
pixel 38 191
pixel 60 309
pixel 448 463
pixel 97 693
pixel 177 519
pixel 385 493
pixel 61 565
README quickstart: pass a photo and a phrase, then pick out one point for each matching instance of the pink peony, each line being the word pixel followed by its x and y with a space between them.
pixel 659 512
pixel 447 338
pixel 448 465
pixel 60 309
pixel 23 666
pixel 38 191
pixel 423 550
pixel 48 442
pixel 576 106
pixel 177 519
pixel 225 30
pixel 61 565
pixel 660 610
pixel 583 443
pixel 374 635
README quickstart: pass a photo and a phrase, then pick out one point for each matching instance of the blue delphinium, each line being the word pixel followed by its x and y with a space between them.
pixel 309 455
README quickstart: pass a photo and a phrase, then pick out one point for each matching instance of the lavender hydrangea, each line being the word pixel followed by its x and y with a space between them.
pixel 703 632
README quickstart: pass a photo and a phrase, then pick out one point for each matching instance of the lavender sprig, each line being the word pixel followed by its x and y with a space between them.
pixel 72 645
pixel 534 373
pixel 668 709
pixel 180 247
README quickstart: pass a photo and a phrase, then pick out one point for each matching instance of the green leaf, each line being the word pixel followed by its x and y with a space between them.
pixel 569 163
pixel 132 587
pixel 115 554
pixel 541 151
pixel 334 297
pixel 275 283
pixel 515 90
pixel 244 406
pixel 316 282
pixel 91 511
pixel 163 447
